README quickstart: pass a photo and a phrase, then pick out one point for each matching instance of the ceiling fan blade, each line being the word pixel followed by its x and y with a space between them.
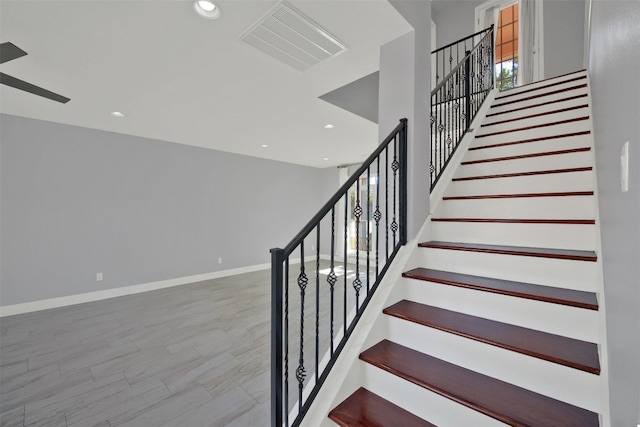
pixel 9 52
pixel 28 87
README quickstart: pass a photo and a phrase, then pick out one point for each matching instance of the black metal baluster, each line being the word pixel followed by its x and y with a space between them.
pixel 346 237
pixel 332 278
pixel 357 213
pixel 317 299
pixel 432 154
pixel 301 372
pixel 368 226
pixel 440 130
pixel 377 215
pixel 395 165
pixel 386 201
pixel 467 90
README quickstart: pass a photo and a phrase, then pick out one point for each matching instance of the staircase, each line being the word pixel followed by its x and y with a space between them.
pixel 495 319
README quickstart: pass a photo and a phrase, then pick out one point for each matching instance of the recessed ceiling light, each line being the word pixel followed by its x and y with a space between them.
pixel 264 146
pixel 328 126
pixel 117 114
pixel 325 158
pixel 206 9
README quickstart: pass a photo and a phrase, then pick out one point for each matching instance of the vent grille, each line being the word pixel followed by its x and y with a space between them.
pixel 290 37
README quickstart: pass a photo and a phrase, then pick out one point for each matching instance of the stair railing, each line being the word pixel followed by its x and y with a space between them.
pixel 457 98
pixel 317 300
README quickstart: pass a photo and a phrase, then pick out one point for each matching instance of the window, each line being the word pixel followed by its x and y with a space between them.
pixel 507 48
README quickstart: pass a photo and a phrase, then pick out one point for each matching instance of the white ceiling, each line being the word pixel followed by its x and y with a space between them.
pixel 181 78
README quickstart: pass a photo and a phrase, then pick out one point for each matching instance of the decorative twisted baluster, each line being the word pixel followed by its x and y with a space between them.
pixel 377 216
pixel 301 372
pixel 395 165
pixel 357 213
pixel 332 278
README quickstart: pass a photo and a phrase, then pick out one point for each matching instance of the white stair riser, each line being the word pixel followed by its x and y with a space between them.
pixel 521 135
pixel 560 207
pixel 574 181
pixel 542 83
pixel 556 144
pixel 521 101
pixel 542 163
pixel 423 403
pixel 558 236
pixel 535 121
pixel 550 379
pixel 541 109
pixel 573 322
pixel 570 274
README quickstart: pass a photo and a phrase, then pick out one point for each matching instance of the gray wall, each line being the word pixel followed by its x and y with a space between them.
pixel 454 19
pixel 614 64
pixel 76 201
pixel 563 36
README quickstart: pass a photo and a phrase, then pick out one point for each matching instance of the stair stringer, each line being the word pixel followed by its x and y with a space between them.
pixel 605 411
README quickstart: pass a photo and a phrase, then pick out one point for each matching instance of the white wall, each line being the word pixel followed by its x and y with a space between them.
pixel 454 19
pixel 563 36
pixel 613 68
pixel 76 201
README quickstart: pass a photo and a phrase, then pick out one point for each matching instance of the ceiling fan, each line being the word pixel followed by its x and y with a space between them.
pixel 9 52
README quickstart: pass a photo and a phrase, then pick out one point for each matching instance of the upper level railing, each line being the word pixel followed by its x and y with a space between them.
pixel 458 96
pixel 317 300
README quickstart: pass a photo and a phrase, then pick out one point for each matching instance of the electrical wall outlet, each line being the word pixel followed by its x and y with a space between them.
pixel 220 260
pixel 99 277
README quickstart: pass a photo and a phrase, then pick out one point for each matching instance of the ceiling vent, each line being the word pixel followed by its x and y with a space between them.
pixel 290 37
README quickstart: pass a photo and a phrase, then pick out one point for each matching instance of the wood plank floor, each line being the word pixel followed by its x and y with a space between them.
pixel 193 355
pixel 189 355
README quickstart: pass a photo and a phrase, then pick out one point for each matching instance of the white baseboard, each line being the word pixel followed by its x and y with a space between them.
pixel 64 301
pixel 31 306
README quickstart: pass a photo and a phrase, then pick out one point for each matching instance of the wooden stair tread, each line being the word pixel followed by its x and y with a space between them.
pixel 528 156
pixel 531 116
pixel 550 294
pixel 500 400
pixel 530 173
pixel 540 95
pixel 541 125
pixel 526 141
pixel 565 351
pixel 548 85
pixel 520 195
pixel 569 254
pixel 519 221
pixel 366 409
pixel 555 101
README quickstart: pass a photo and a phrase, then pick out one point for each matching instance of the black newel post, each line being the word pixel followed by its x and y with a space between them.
pixel 403 182
pixel 277 261
pixel 467 89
